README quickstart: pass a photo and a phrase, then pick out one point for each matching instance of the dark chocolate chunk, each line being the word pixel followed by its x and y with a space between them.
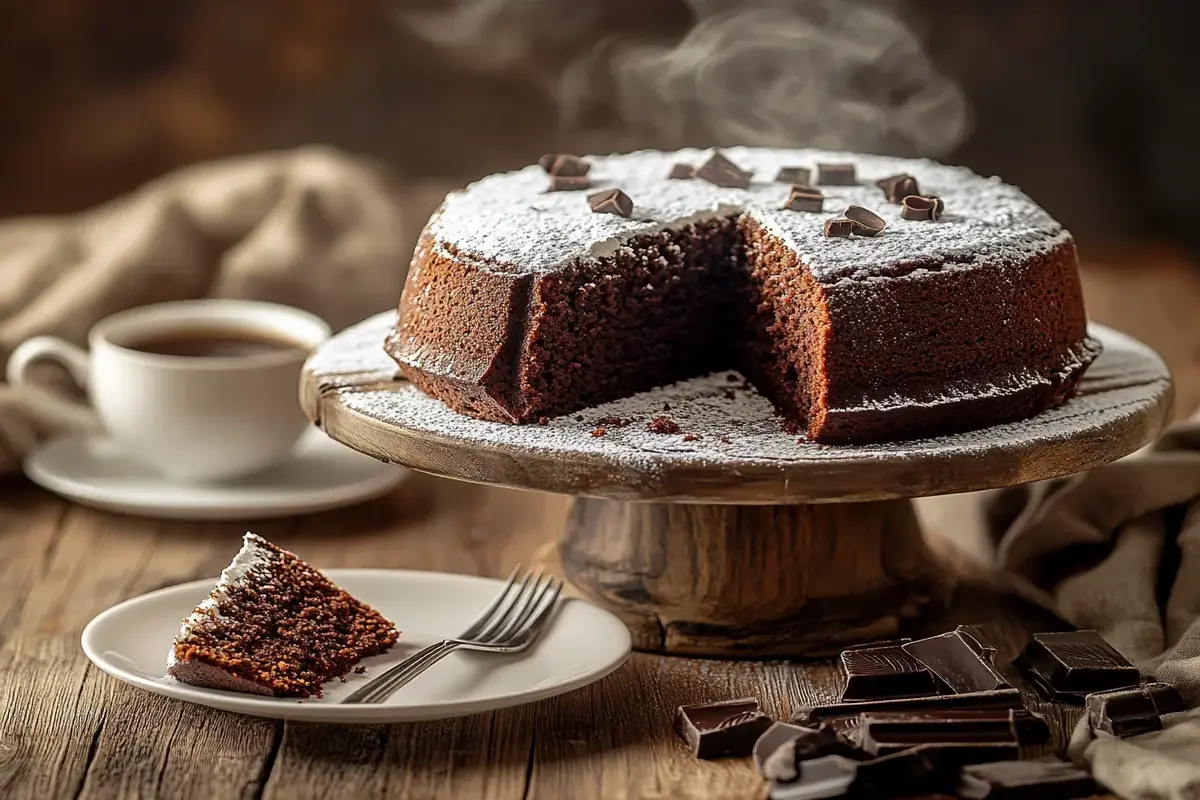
pixel 565 165
pixel 1077 663
pixel 838 228
pixel 879 733
pixel 794 175
pixel 897 187
pixel 611 201
pixel 720 171
pixel 682 172
pixel 569 183
pixel 805 198
pixel 1128 712
pixel 866 222
pixel 1025 780
pixel 999 698
pixel 919 208
pixel 725 728
pixel 884 671
pixel 960 659
pixel 836 175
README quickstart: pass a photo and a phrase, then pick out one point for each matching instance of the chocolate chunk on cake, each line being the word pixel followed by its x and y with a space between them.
pixel 273 625
pixel 962 312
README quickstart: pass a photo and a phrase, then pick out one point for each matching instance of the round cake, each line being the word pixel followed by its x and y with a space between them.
pixel 868 298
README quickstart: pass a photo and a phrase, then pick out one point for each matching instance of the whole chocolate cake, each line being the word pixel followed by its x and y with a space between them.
pixel 868 298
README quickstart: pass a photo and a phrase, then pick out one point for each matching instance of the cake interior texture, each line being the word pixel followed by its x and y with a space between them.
pixel 940 335
pixel 275 626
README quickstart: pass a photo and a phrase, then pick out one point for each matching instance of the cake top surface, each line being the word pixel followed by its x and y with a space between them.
pixel 512 223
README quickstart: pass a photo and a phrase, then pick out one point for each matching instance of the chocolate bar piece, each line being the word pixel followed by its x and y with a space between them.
pixel 881 733
pixel 882 671
pixel 725 728
pixel 779 752
pixel 1128 712
pixel 997 698
pixel 1025 780
pixel 1071 665
pixel 961 659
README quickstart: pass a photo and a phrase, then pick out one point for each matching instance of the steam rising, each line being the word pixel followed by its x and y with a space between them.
pixel 837 74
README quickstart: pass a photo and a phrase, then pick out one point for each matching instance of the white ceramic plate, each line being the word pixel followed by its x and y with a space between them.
pixel 322 474
pixel 583 644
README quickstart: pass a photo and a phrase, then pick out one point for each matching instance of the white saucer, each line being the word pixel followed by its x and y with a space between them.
pixel 321 475
pixel 583 644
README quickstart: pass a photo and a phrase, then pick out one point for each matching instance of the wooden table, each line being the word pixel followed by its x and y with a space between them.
pixel 67 730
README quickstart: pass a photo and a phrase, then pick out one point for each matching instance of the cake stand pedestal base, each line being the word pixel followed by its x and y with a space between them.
pixel 761 580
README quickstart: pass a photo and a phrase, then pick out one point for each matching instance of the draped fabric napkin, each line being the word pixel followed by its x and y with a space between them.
pixel 1118 549
pixel 312 228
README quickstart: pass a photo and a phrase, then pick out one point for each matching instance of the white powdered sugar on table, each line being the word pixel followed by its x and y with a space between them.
pixel 512 222
pixel 734 425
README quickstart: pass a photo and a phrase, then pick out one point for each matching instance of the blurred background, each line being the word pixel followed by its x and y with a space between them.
pixel 1089 105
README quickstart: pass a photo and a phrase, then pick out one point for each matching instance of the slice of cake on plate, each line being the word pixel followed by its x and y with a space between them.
pixel 274 625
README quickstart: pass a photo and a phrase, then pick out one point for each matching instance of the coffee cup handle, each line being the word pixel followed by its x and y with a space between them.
pixel 49 403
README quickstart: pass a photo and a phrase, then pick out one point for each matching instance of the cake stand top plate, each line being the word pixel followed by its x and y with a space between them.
pixel 730 447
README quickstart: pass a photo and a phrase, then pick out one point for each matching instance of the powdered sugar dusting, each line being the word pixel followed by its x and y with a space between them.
pixel 736 428
pixel 511 222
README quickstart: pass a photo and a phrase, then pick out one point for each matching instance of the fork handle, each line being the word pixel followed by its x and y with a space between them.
pixel 401 674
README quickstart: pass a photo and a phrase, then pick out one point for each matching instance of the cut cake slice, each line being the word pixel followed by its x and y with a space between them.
pixel 273 625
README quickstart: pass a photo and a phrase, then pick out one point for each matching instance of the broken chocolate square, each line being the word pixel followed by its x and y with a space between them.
pixel 805 198
pixel 779 752
pixel 897 187
pixel 998 698
pixel 879 733
pixel 611 201
pixel 960 659
pixel 794 175
pixel 564 164
pixel 1072 664
pixel 1128 712
pixel 724 728
pixel 839 228
pixel 884 670
pixel 720 171
pixel 836 175
pixel 682 172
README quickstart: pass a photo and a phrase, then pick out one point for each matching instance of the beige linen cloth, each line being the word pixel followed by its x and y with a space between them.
pixel 312 228
pixel 1118 549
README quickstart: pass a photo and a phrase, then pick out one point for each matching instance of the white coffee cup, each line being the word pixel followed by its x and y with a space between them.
pixel 195 419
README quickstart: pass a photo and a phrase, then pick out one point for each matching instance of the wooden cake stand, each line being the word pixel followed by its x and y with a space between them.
pixel 730 537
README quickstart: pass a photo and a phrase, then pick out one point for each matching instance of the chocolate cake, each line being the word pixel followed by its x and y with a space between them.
pixel 274 625
pixel 896 299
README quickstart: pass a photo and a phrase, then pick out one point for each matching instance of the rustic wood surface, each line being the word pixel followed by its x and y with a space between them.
pixel 352 391
pixel 66 730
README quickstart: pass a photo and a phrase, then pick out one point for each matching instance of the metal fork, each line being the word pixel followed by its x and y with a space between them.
pixel 512 622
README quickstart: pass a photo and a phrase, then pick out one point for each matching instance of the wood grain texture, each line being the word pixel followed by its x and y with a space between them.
pixel 751 581
pixel 1122 403
pixel 66 730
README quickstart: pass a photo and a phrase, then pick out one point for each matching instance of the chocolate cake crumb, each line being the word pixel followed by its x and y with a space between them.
pixel 691 437
pixel 598 432
pixel 725 440
pixel 666 406
pixel 730 394
pixel 663 425
pixel 613 422
pixel 543 421
pixel 579 417
pixel 282 629
pixel 360 670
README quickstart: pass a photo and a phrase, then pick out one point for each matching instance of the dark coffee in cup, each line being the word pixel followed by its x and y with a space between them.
pixel 213 343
